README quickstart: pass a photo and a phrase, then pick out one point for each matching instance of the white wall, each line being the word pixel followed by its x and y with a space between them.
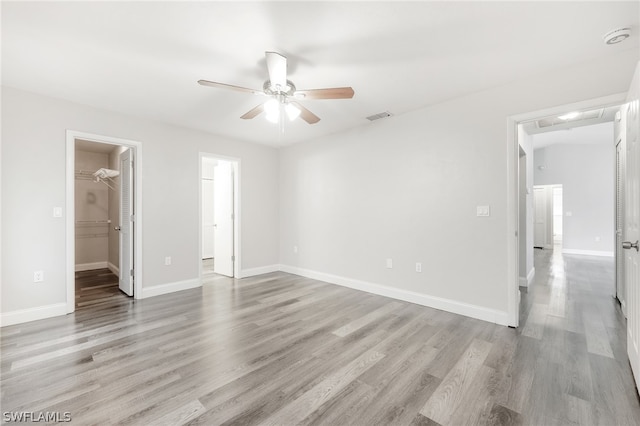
pixel 586 173
pixel 91 204
pixel 407 188
pixel 34 240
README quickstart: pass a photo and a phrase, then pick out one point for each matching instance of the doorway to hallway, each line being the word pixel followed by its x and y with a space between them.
pixel 219 211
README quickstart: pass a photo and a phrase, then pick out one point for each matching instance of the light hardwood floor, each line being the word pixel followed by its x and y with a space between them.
pixel 281 349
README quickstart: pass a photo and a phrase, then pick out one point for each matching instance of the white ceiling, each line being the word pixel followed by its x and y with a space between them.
pixel 595 134
pixel 144 58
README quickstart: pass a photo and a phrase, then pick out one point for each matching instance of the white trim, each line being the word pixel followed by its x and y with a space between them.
pixel 588 252
pixel 526 281
pixel 72 135
pixel 33 314
pixel 237 223
pixel 473 311
pixel 530 276
pixel 513 218
pixel 91 266
pixel 113 268
pixel 513 190
pixel 245 273
pixel 167 288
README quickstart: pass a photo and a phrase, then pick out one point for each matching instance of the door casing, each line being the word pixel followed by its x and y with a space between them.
pixel 237 223
pixel 136 146
pixel 513 191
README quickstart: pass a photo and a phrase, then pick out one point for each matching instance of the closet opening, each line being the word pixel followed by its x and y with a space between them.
pixel 103 230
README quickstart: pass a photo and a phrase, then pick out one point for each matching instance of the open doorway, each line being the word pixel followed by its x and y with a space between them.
pixel 547 219
pixel 591 112
pixel 219 212
pixel 103 226
pixel 557 216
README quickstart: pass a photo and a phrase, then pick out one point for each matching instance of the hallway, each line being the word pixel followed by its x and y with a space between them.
pixel 573 333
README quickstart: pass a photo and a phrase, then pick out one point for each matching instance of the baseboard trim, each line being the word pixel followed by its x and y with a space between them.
pixel 91 266
pixel 588 252
pixel 245 273
pixel 167 288
pixel 113 268
pixel 461 308
pixel 32 314
pixel 526 281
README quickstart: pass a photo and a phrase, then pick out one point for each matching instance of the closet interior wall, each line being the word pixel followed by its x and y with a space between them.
pixel 96 207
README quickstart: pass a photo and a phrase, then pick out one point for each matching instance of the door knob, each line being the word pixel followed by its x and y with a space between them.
pixel 629 245
pixel 117 228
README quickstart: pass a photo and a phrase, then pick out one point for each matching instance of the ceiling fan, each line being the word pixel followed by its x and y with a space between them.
pixel 283 93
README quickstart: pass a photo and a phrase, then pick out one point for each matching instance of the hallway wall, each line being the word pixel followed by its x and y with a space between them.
pixel 586 173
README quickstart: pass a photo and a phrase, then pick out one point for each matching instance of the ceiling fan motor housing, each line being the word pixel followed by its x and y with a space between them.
pixel 289 90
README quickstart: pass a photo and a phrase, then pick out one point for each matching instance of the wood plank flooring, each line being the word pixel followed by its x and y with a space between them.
pixel 279 349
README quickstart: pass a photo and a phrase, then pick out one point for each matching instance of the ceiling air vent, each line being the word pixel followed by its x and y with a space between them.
pixel 375 117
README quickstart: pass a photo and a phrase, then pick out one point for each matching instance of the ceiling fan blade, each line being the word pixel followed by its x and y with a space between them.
pixel 333 93
pixel 253 112
pixel 229 86
pixel 305 114
pixel 277 67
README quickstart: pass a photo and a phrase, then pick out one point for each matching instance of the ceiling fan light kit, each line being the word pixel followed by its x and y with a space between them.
pixel 283 94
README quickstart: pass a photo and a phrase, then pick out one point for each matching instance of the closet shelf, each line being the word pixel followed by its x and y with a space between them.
pixel 104 235
pixel 93 222
pixel 101 175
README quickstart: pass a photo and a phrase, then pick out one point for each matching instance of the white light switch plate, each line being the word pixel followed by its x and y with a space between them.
pixel 57 212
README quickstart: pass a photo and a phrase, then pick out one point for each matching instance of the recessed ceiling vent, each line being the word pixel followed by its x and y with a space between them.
pixel 375 117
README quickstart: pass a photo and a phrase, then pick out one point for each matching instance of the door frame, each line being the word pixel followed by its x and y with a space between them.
pixel 513 190
pixel 237 211
pixel 136 146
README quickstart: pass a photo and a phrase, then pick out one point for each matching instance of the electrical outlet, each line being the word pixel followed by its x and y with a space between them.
pixel 389 263
pixel 597 239
pixel 38 276
pixel 418 267
pixel 483 211
pixel 295 249
pixel 167 260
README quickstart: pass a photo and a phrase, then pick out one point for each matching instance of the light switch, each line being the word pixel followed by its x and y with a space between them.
pixel 483 211
pixel 569 214
pixel 57 212
pixel 389 263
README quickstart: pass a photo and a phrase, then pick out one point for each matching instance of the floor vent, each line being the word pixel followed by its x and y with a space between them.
pixel 375 117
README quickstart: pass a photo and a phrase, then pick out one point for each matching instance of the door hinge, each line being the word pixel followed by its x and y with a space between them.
pixel 233 258
pixel 132 272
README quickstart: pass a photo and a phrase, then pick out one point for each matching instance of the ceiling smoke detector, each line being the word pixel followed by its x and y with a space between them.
pixel 617 35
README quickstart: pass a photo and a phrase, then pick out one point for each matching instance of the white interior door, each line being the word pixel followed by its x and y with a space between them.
pixel 540 217
pixel 126 222
pixel 223 212
pixel 621 292
pixel 208 251
pixel 631 231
